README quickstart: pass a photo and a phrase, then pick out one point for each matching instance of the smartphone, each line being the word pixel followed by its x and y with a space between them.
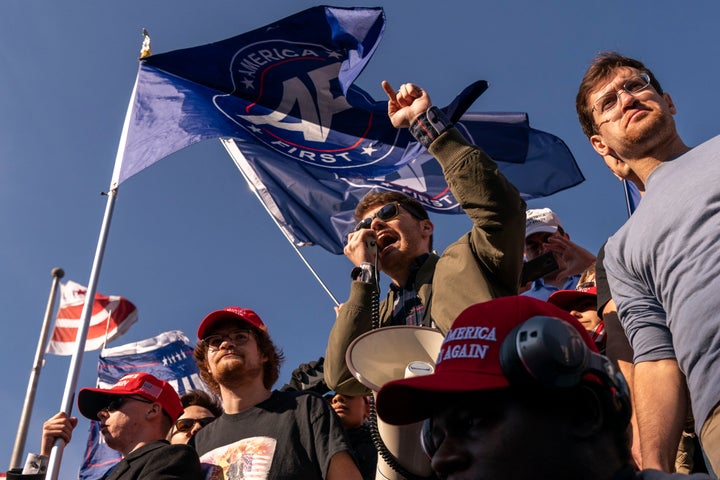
pixel 538 267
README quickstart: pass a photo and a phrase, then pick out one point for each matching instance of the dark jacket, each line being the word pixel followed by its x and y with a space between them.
pixel 158 461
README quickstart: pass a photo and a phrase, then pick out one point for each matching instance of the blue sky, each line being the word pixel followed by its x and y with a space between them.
pixel 188 236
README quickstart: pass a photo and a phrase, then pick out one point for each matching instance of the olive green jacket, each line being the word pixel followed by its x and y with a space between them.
pixel 483 264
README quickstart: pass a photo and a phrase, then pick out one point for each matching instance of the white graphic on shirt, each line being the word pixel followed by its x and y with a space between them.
pixel 249 458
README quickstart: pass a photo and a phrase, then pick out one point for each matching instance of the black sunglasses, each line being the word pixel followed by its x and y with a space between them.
pixel 118 401
pixel 387 212
pixel 186 424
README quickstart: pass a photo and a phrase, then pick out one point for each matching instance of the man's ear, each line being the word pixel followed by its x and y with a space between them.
pixel 587 414
pixel 598 143
pixel 427 227
pixel 155 409
pixel 671 104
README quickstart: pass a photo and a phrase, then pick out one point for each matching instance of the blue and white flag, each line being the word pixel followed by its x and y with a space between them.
pixel 291 76
pixel 284 94
pixel 167 356
pixel 314 206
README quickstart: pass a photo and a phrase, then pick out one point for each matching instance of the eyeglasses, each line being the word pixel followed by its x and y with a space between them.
pixel 631 86
pixel 118 401
pixel 238 337
pixel 186 424
pixel 388 212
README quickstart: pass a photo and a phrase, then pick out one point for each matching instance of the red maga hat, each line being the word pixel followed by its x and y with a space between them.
pixel 565 299
pixel 243 315
pixel 469 359
pixel 92 400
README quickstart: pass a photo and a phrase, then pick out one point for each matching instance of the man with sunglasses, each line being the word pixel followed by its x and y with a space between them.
pixel 135 416
pixel 262 433
pixel 663 265
pixel 199 409
pixel 394 235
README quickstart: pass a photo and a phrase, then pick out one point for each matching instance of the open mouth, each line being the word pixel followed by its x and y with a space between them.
pixel 385 239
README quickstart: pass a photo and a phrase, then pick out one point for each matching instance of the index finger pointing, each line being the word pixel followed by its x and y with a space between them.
pixel 389 90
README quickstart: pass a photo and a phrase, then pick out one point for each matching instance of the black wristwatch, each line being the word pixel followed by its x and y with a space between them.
pixel 364 273
pixel 429 125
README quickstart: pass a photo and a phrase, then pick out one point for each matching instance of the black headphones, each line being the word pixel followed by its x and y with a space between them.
pixel 548 351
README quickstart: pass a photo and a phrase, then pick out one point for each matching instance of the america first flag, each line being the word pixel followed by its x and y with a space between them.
pixel 112 315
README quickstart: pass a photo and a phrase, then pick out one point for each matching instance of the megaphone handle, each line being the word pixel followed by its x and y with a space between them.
pixel 383 451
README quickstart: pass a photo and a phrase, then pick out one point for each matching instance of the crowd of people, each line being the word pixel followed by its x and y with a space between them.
pixel 593 366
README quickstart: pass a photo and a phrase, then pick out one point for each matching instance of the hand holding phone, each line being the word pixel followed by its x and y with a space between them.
pixel 538 267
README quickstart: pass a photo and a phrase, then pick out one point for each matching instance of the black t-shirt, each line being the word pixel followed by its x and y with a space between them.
pixel 289 435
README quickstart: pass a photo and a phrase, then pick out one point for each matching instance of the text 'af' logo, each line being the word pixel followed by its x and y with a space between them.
pixel 288 97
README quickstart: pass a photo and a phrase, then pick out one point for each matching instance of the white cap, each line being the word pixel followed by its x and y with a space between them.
pixel 541 220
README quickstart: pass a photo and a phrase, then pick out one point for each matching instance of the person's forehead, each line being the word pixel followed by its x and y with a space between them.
pixel 228 325
pixel 196 411
pixel 613 81
pixel 538 237
pixel 371 210
pixel 487 403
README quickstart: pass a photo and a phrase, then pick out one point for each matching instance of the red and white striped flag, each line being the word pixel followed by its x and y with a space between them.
pixel 111 317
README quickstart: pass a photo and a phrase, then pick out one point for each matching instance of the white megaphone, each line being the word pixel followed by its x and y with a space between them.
pixel 392 353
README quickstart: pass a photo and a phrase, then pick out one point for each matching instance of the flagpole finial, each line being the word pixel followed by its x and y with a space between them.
pixel 145 50
pixel 57 272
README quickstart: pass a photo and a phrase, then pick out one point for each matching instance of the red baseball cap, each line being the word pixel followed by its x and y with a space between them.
pixel 92 400
pixel 243 315
pixel 469 358
pixel 565 299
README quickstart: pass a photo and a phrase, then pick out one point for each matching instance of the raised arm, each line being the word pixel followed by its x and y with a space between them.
pixel 405 104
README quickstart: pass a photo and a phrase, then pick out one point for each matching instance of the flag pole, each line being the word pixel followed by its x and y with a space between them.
pixel 76 361
pixel 233 150
pixel 15 462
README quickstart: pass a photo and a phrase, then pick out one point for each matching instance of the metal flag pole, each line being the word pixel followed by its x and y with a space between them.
pixel 236 155
pixel 15 461
pixel 76 361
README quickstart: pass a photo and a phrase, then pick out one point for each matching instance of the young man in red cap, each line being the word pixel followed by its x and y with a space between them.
pixel 582 304
pixel 519 392
pixel 262 433
pixel 135 416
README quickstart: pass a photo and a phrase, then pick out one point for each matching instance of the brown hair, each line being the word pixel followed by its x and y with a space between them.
pixel 601 68
pixel 203 399
pixel 271 368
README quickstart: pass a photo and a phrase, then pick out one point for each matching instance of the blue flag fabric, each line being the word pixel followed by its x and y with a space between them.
pixel 168 356
pixel 632 196
pixel 315 205
pixel 268 78
pixel 312 141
